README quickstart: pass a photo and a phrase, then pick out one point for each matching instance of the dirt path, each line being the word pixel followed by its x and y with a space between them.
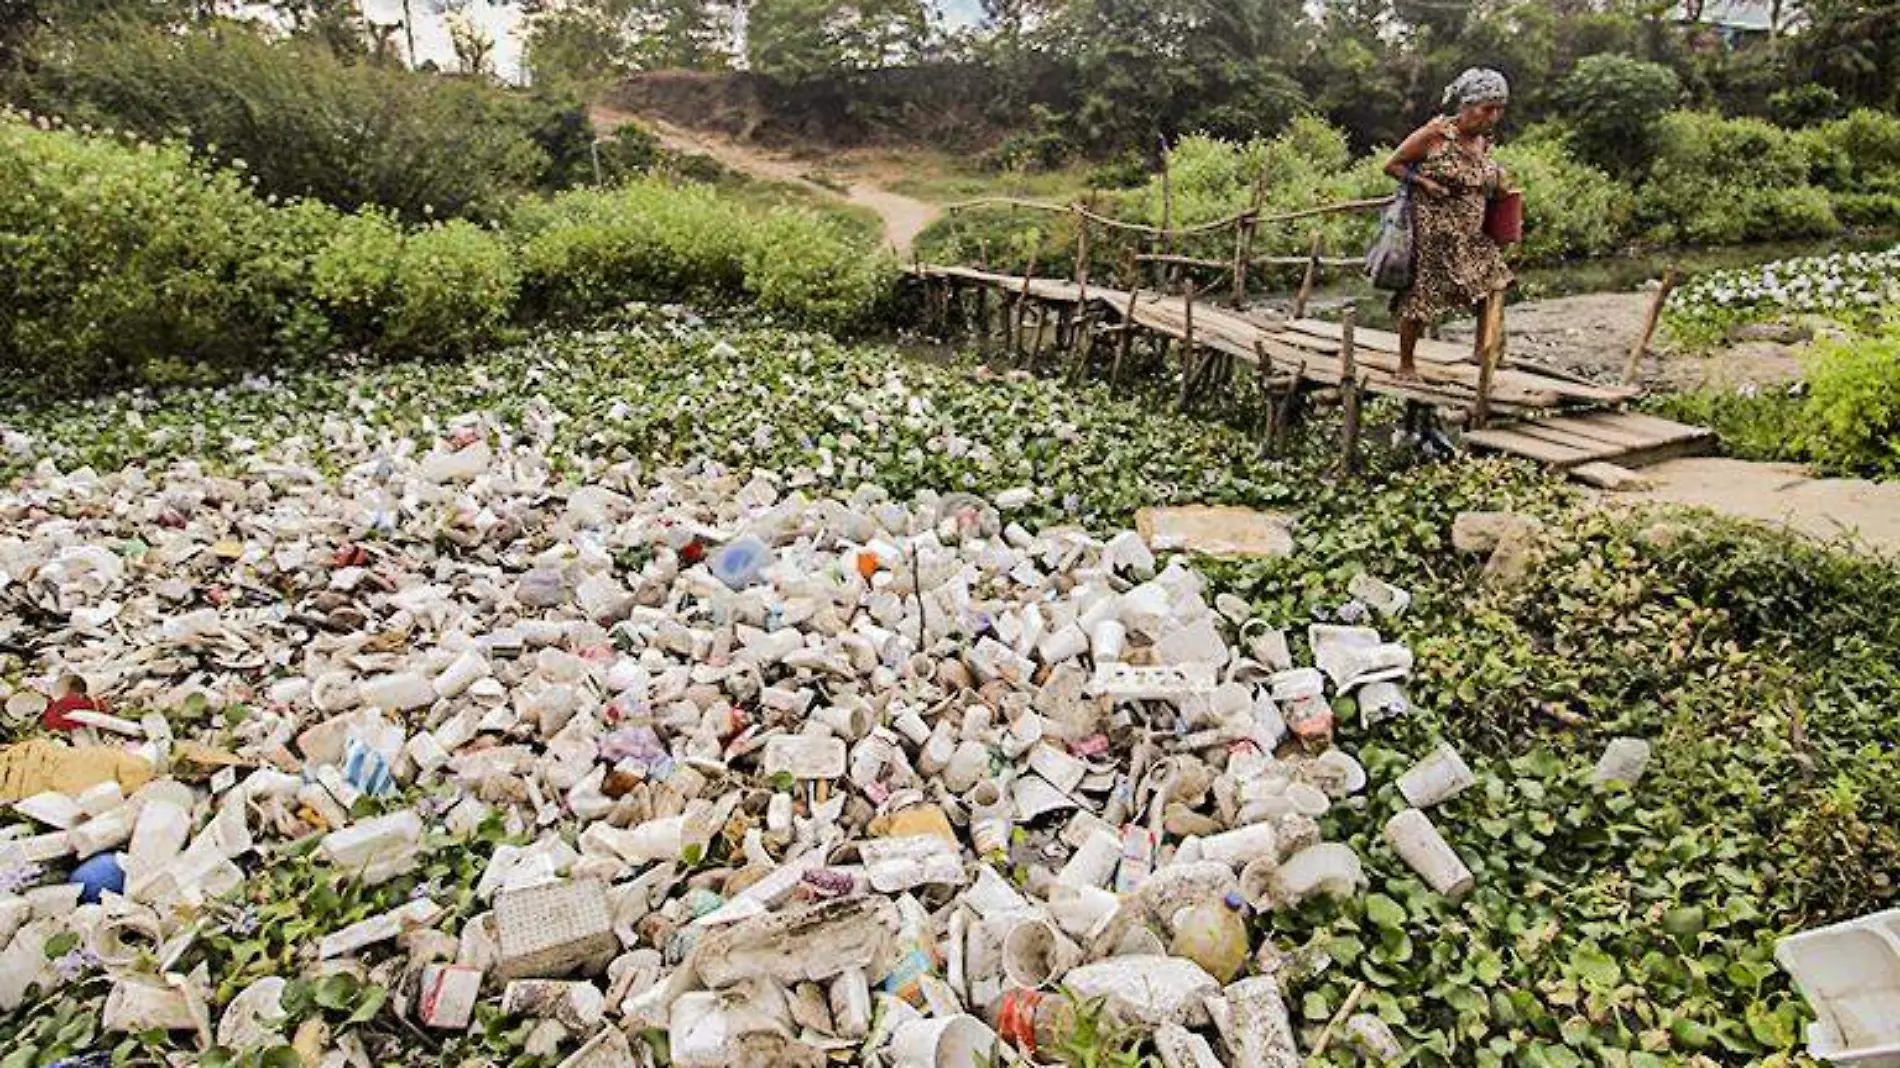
pixel 1864 513
pixel 1591 336
pixel 904 217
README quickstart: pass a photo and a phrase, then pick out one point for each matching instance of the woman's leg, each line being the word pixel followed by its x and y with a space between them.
pixel 1409 330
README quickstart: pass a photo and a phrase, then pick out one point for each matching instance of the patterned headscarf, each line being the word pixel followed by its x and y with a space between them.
pixel 1478 85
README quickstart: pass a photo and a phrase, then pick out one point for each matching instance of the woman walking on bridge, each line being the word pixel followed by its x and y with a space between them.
pixel 1448 164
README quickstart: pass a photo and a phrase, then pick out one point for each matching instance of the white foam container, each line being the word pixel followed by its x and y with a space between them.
pixel 1850 974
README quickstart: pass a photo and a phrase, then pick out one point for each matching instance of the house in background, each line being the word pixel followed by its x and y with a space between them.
pixel 1733 22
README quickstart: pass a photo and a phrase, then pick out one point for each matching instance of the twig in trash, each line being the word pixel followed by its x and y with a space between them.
pixel 917 590
pixel 1345 1010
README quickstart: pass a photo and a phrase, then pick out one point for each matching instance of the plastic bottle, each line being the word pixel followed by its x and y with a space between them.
pixel 1213 934
pixel 1033 1019
pixel 738 563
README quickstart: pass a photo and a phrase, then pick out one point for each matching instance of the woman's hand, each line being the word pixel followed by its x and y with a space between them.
pixel 1432 187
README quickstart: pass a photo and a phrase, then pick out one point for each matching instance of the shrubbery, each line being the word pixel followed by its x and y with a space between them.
pixel 1572 209
pixel 1852 419
pixel 441 290
pixel 1845 420
pixel 1719 181
pixel 1613 102
pixel 309 124
pixel 137 263
pixel 587 251
pixel 112 257
pixel 1710 181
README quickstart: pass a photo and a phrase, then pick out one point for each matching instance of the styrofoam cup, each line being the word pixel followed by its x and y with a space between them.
pixel 1440 776
pixel 1417 842
pixel 960 1041
pixel 1037 954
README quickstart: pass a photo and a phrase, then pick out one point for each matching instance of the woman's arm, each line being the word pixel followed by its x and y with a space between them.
pixel 1413 152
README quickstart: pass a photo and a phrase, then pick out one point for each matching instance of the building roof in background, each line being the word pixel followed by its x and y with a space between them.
pixel 1752 15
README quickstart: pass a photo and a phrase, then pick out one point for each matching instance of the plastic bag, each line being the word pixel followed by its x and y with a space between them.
pixel 1389 260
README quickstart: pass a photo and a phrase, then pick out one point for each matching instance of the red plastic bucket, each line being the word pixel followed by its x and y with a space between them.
pixel 1504 218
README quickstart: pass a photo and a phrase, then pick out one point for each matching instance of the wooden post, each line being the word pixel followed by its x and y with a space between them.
pixel 1022 304
pixel 1489 347
pixel 1081 259
pixel 1348 394
pixel 1312 275
pixel 1035 349
pixel 1263 374
pixel 1081 281
pixel 1243 238
pixel 1632 373
pixel 1127 340
pixel 1163 273
pixel 1188 363
pixel 1082 343
pixel 1289 409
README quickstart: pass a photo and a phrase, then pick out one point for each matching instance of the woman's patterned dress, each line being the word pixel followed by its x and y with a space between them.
pixel 1456 265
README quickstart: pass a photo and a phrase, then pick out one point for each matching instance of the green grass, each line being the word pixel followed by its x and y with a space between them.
pixel 962 182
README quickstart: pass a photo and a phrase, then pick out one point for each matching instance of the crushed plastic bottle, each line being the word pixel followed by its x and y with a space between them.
pixel 1213 934
pixel 738 563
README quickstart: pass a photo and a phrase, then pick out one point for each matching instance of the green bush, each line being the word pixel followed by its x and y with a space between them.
pixel 1571 209
pixel 113 258
pixel 802 268
pixel 1614 103
pixel 1723 181
pixel 443 290
pixel 1804 105
pixel 1857 156
pixel 133 263
pixel 587 251
pixel 1853 412
pixel 308 124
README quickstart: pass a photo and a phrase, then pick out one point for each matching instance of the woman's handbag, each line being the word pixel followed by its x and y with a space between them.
pixel 1504 218
pixel 1389 260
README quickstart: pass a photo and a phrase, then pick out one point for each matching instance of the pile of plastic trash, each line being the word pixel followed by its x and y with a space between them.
pixel 788 778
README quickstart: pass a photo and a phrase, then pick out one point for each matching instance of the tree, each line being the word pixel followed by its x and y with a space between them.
pixel 795 40
pixel 1853 48
pixel 473 44
pixel 1147 68
pixel 1615 106
pixel 338 24
pixel 1353 77
pixel 590 41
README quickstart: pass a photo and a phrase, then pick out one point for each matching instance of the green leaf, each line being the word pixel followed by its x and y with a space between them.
pixel 296 999
pixel 1490 968
pixel 279 1057
pixel 61 944
pixel 335 992
pixel 1685 920
pixel 1385 912
pixel 373 998
pixel 1595 967
pixel 1774 1028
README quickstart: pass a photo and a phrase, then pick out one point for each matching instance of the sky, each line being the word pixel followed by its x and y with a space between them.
pixel 503 23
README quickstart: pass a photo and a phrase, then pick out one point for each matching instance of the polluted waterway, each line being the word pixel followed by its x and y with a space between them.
pixel 786 777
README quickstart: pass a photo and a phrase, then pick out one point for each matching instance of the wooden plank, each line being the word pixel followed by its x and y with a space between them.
pixel 1508 440
pixel 1383 340
pixel 1591 427
pixel 1557 434
pixel 1655 426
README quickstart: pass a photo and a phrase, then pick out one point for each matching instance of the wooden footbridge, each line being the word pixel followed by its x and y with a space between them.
pixel 1538 412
